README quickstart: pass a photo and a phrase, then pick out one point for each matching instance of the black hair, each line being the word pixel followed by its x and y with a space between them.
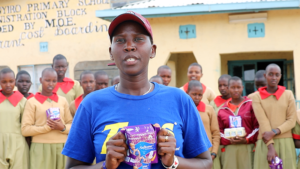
pixel 7 70
pixel 86 72
pixel 112 80
pixel 155 77
pixel 48 70
pixel 100 72
pixel 112 35
pixel 194 83
pixel 260 74
pixel 59 57
pixel 196 64
pixel 163 67
pixel 22 72
pixel 272 65
pixel 235 78
pixel 225 76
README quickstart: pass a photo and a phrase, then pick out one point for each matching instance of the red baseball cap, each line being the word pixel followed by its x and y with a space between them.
pixel 130 16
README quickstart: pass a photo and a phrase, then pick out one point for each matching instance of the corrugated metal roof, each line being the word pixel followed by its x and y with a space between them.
pixel 171 3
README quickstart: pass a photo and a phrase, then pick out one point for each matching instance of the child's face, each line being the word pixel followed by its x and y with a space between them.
pixel 101 82
pixel 23 83
pixel 196 94
pixel 223 87
pixel 273 76
pixel 236 89
pixel 88 83
pixel 7 82
pixel 48 81
pixel 131 49
pixel 194 73
pixel 165 74
pixel 261 82
pixel 60 66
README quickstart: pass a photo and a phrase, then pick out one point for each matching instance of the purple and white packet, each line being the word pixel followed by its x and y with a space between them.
pixel 53 113
pixel 142 145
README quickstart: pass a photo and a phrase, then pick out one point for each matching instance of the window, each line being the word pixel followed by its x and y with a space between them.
pixel 35 72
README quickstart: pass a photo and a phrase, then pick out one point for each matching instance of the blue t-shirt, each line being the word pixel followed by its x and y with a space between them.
pixel 103 113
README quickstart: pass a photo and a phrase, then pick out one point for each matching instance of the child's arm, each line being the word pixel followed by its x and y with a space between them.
pixel 28 122
pixel 215 131
pixel 290 116
pixel 67 117
pixel 263 121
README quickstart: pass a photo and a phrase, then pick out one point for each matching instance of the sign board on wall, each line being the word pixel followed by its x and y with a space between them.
pixel 62 23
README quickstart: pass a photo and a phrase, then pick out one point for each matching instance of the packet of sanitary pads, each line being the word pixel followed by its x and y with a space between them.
pixel 53 113
pixel 142 144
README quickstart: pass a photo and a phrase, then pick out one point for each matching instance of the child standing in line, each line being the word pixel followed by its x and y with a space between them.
pixel 165 73
pixel 209 119
pixel 48 135
pixel 195 72
pixel 87 81
pixel 115 80
pixel 66 87
pixel 14 153
pixel 219 101
pixel 238 150
pixel 275 110
pixel 23 83
pixel 102 79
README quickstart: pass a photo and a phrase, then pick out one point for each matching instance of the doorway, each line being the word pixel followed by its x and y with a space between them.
pixel 179 63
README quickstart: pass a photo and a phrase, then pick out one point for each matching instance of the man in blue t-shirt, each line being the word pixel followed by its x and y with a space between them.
pixel 182 141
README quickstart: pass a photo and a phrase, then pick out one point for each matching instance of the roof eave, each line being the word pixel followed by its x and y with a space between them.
pixel 156 12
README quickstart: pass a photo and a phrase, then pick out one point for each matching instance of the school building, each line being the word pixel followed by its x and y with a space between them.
pixel 236 37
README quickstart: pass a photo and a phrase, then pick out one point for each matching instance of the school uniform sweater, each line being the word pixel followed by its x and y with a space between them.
pixel 210 122
pixel 75 104
pixel 273 111
pixel 208 94
pixel 249 121
pixel 70 89
pixel 217 103
pixel 34 121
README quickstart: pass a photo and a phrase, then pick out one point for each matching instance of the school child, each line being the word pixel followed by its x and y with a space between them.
pixel 275 110
pixel 87 81
pixel 156 79
pixel 165 73
pixel 14 153
pixel 102 79
pixel 195 72
pixel 296 134
pixel 66 87
pixel 238 150
pixel 209 119
pixel 115 80
pixel 219 101
pixel 23 83
pixel 48 135
pixel 260 80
